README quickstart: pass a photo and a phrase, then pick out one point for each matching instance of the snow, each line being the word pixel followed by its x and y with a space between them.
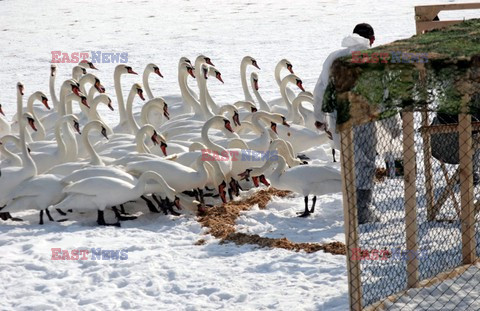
pixel 165 270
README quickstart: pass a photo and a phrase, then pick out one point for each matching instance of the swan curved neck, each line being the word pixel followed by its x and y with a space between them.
pixel 202 84
pixel 146 84
pixel 28 163
pixel 94 157
pixel 187 95
pixel 62 148
pixel 40 128
pixel 140 140
pixel 261 102
pixel 118 92
pixel 288 103
pixel 206 140
pixel 134 127
pixel 278 70
pixel 243 76
pixel 53 95
pixel 7 153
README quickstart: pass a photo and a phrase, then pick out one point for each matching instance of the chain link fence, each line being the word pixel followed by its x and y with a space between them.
pixel 410 189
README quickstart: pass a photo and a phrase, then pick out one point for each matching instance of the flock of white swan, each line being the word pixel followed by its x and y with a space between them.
pixel 170 157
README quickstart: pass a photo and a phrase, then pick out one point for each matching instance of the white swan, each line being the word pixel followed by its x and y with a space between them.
pixel 5 127
pixel 307 120
pixel 303 179
pixel 282 64
pixel 59 153
pixel 100 192
pixel 246 61
pixel 150 68
pixel 95 160
pixel 12 176
pixel 294 79
pixel 9 158
pixel 122 126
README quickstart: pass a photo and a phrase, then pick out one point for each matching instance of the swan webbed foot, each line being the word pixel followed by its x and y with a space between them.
pixel 60 212
pixel 306 213
pixel 7 216
pixel 101 220
pixel 121 217
pixel 122 210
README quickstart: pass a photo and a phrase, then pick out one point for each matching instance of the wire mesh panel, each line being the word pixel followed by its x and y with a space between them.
pixel 411 229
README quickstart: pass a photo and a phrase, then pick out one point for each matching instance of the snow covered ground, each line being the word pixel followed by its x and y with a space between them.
pixel 165 270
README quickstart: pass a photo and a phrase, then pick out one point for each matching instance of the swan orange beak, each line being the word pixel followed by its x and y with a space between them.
pixel 221 191
pixel 255 181
pixel 290 68
pixel 84 102
pixel 31 122
pixel 236 119
pixel 300 86
pixel 273 126
pixel 209 61
pixel 104 132
pixel 264 181
pixel 76 90
pixel 140 94
pixel 165 111
pixel 45 102
pixel 228 126
pixel 154 138
pixel 255 84
pixel 330 136
pixel 99 87
pixel 92 66
pixel 254 63
pixel 157 71
pixel 164 146
pixel 53 69
pixel 190 71
pixel 110 105
pixel 130 70
pixel 21 89
pixel 219 77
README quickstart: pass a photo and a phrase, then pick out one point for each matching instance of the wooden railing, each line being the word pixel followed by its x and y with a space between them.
pixel 425 15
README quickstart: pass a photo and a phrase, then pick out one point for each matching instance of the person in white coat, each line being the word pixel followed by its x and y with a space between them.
pixel 365 139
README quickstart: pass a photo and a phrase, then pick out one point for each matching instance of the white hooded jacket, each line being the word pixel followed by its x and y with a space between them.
pixel 351 43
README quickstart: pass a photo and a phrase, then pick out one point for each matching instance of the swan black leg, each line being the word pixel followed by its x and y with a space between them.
pixel 61 212
pixel 41 217
pixel 120 216
pixel 200 194
pixel 101 220
pixel 333 154
pixel 48 215
pixel 161 204
pixel 151 206
pixel 230 191
pixel 306 212
pixel 313 204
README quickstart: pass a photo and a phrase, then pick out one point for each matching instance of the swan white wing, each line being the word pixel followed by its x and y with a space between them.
pixel 99 171
pixel 99 186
